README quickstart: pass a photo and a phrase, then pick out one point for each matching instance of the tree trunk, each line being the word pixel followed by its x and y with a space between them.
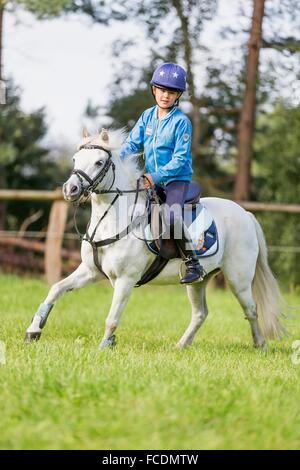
pixel 188 60
pixel 2 177
pixel 1 34
pixel 247 118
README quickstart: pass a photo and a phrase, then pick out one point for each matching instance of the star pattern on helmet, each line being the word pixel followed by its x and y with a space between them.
pixel 175 74
pixel 161 73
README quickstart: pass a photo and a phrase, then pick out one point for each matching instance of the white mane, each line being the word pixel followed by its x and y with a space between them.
pixel 116 139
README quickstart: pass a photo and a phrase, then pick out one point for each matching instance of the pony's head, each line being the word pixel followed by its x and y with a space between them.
pixel 93 164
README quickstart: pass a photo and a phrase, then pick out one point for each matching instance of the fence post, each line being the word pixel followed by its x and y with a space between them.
pixel 55 232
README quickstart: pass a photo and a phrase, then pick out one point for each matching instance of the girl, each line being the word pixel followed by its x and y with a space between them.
pixel 163 133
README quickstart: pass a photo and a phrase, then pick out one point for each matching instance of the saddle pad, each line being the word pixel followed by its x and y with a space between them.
pixel 202 229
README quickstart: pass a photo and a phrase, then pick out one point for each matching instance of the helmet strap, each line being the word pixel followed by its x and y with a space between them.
pixel 177 101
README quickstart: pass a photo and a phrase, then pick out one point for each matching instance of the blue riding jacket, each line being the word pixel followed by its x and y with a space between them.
pixel 166 144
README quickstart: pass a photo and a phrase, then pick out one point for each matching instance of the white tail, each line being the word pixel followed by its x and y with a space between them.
pixel 266 291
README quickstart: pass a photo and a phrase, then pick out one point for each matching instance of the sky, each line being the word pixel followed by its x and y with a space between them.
pixel 60 64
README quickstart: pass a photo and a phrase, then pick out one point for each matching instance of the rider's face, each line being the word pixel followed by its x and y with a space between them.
pixel 165 98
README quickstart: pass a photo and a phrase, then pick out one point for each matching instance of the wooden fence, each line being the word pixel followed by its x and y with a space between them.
pixel 52 248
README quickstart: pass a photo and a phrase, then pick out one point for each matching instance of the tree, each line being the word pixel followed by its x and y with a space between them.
pixel 278 14
pixel 186 19
pixel 275 16
pixel 276 151
pixel 24 162
pixel 100 12
pixel 2 92
pixel 192 16
pixel 220 105
pixel 103 11
pixel 247 118
pixel 215 113
pixel 20 133
pixel 1 34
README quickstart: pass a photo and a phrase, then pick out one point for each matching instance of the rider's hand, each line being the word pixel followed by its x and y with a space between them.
pixel 148 181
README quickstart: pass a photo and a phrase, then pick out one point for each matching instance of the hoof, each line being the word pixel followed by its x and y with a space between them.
pixel 265 348
pixel 31 337
pixel 262 347
pixel 108 343
pixel 184 343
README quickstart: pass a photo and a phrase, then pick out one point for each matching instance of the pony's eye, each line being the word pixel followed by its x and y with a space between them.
pixel 99 163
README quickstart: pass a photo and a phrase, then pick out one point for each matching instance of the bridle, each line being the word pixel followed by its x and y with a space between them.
pixel 93 183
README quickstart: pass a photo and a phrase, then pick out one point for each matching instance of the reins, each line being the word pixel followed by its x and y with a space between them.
pixel 93 183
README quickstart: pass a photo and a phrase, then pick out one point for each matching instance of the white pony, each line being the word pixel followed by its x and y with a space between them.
pixel 242 253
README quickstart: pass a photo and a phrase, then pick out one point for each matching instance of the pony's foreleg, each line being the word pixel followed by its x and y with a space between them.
pixel 197 297
pixel 122 290
pixel 79 278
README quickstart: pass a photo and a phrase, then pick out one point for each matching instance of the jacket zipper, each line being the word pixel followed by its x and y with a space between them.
pixel 154 142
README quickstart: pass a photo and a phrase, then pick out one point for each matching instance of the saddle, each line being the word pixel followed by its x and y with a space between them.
pixel 202 229
pixel 164 248
pixel 192 196
pixel 167 247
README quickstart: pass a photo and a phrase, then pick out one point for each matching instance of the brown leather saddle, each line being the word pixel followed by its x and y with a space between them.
pixel 167 246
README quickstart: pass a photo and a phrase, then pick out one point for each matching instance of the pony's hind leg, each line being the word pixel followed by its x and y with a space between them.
pixel 247 302
pixel 197 296
pixel 79 278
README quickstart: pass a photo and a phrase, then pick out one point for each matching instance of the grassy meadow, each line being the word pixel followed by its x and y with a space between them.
pixel 62 393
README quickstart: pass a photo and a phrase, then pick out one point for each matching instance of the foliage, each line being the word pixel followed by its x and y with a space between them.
pixel 277 147
pixel 99 11
pixel 24 162
pixel 219 114
pixel 62 393
pixel 126 110
pixel 156 14
pixel 42 8
pixel 167 25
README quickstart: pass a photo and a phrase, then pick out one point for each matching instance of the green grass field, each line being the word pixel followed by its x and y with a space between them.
pixel 62 393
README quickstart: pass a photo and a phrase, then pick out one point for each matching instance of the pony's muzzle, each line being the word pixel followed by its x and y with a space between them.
pixel 71 191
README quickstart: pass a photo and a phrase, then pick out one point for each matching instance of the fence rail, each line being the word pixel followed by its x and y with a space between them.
pixel 270 207
pixel 30 195
pixel 52 248
pixel 56 195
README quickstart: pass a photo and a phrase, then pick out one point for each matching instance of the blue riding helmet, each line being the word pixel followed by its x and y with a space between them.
pixel 170 75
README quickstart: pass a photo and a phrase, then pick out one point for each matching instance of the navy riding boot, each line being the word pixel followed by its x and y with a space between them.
pixel 175 198
pixel 194 270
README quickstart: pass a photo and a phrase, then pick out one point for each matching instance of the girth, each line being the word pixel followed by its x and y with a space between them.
pixel 118 236
pixel 108 241
pixel 159 263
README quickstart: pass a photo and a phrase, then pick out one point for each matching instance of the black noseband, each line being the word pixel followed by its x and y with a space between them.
pixel 93 183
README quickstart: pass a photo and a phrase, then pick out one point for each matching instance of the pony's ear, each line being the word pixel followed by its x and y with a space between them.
pixel 85 133
pixel 104 135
